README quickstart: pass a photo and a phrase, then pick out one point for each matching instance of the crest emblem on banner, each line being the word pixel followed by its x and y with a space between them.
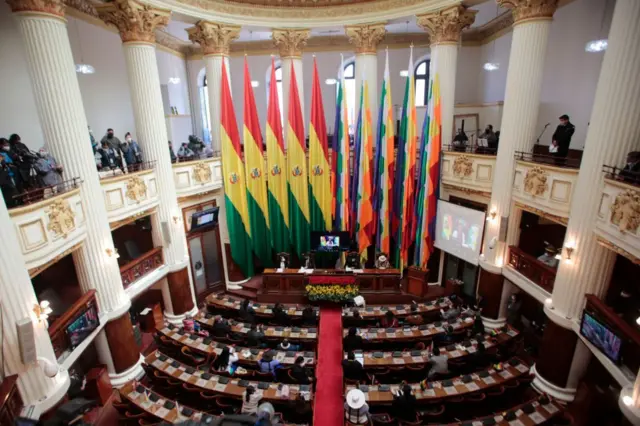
pixel 255 173
pixel 275 170
pixel 296 171
pixel 233 178
pixel 317 170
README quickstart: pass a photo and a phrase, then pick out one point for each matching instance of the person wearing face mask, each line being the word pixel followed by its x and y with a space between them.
pixel 171 153
pixel 24 160
pixel 108 157
pixel 8 174
pixel 49 171
pixel 490 136
pixel 184 153
pixel 112 141
pixel 131 150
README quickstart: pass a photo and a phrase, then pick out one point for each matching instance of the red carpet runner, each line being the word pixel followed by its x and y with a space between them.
pixel 328 409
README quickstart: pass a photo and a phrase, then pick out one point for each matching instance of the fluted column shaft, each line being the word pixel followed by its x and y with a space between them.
pixel 213 69
pixel 286 82
pixel 445 57
pixel 64 125
pixel 519 120
pixel 614 130
pixel 144 81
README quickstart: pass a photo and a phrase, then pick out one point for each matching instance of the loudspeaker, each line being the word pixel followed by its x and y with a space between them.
pixel 504 224
pixel 27 341
pixel 166 234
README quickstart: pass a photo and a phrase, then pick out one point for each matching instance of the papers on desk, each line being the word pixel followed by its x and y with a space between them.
pixel 537 417
pixel 170 369
pixel 357 271
pixel 280 270
pixel 472 386
pixel 201 383
pixel 161 412
pixel 450 390
pixel 551 409
pixel 522 368
pixel 505 374
pixel 516 422
pixel 360 358
pixel 488 380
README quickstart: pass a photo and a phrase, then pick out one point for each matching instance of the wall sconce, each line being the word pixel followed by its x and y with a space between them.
pixel 42 310
pixel 176 219
pixel 569 250
pixel 491 217
pixel 638 320
pixel 627 400
pixel 499 262
pixel 113 252
pixel 548 302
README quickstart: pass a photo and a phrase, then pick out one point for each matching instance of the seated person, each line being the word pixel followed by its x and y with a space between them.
pixel 285 345
pixel 226 359
pixel 280 315
pixel 308 261
pixel 490 136
pixel 353 260
pixel 478 325
pixel 382 261
pixel 300 411
pixel 247 313
pixel 549 256
pixel 190 325
pixel 389 320
pixel 445 339
pixel 221 327
pixel 460 141
pixel 452 312
pixel 351 368
pixel 299 373
pixel 415 318
pixel 309 316
pixel 481 358
pixel 357 320
pixel 184 153
pixel 356 409
pixel 352 341
pixel 404 404
pixel 8 174
pixel 439 364
pixel 250 401
pixel 267 364
pixel 255 336
pixel 631 170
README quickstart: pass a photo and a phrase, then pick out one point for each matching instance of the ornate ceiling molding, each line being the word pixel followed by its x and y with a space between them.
pixel 366 37
pixel 134 20
pixel 214 39
pixel 445 26
pixel 52 7
pixel 290 41
pixel 526 10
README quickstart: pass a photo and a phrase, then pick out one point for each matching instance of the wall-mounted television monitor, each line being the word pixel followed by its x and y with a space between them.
pixel 601 336
pixel 82 326
pixel 330 241
pixel 205 219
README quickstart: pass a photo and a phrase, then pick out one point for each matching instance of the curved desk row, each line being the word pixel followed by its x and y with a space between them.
pixel 291 333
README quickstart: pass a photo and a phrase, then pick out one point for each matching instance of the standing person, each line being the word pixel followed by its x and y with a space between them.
pixel 352 342
pixel 172 154
pixel 8 174
pixel 226 359
pixel 490 136
pixel 280 315
pixel 351 368
pixel 460 141
pixel 268 364
pixel 49 170
pixel 513 310
pixel 108 156
pixel 250 401
pixel 299 373
pixel 111 140
pixel 130 150
pixel 247 313
pixel 196 145
pixel 24 159
pixel 404 404
pixel 255 336
pixel 94 144
pixel 309 316
pixel 562 136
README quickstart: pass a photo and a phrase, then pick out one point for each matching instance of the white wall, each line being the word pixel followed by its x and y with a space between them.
pixel 172 66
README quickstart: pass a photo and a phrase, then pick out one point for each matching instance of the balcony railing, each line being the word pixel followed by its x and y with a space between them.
pixel 541 274
pixel 60 339
pixel 472 149
pixel 138 268
pixel 622 175
pixel 145 165
pixel 552 160
pixel 39 194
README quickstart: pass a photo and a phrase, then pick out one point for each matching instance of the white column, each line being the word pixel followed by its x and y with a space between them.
pixel 291 42
pixel 17 300
pixel 629 401
pixel 613 132
pixel 286 63
pixel 64 126
pixel 213 69
pixel 520 116
pixel 446 61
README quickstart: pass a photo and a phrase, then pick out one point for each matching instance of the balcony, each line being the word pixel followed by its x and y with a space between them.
pixel 143 265
pixel 470 170
pixel 532 270
pixel 130 194
pixel 197 177
pixel 618 220
pixel 544 185
pixel 50 224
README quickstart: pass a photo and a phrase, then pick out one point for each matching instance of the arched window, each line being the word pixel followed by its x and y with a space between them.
pixel 350 93
pixel 422 82
pixel 279 88
pixel 204 109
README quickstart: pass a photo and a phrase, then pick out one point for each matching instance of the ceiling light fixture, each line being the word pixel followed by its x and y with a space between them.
pixel 596 46
pixel 82 68
pixel 330 81
pixel 255 83
pixel 404 73
pixel 491 66
pixel 174 80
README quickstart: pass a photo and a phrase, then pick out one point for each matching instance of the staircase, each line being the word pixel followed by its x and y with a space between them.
pixel 249 289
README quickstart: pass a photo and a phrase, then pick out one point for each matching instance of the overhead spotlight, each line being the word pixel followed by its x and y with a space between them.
pixel 85 69
pixel 596 46
pixel 174 80
pixel 638 320
pixel 491 66
pixel 255 83
pixel 330 81
pixel 404 73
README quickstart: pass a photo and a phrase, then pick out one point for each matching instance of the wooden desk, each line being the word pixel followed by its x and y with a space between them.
pixel 289 285
pixel 423 332
pixel 541 414
pixel 417 357
pixel 232 388
pixel 291 333
pixel 381 394
pixel 371 312
pixel 198 345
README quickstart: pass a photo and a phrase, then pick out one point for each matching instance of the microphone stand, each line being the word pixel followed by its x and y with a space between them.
pixel 540 136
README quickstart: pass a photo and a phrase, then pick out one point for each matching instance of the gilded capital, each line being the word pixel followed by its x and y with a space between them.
pixel 446 25
pixel 215 39
pixel 524 10
pixel 290 41
pixel 366 37
pixel 52 7
pixel 134 20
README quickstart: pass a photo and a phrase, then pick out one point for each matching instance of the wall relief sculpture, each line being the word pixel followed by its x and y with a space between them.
pixel 136 189
pixel 61 218
pixel 462 166
pixel 535 181
pixel 625 211
pixel 202 173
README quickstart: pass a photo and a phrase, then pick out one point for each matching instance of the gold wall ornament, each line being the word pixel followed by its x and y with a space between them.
pixel 61 218
pixel 53 7
pixel 462 166
pixel 535 181
pixel 524 10
pixel 366 37
pixel 625 211
pixel 214 38
pixel 290 41
pixel 202 173
pixel 134 20
pixel 446 25
pixel 136 189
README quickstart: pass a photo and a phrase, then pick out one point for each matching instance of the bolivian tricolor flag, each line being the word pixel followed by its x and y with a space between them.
pixel 256 179
pixel 300 232
pixel 340 160
pixel 319 177
pixel 277 175
pixel 235 188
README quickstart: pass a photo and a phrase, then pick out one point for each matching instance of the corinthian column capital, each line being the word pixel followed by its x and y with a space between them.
pixel 446 25
pixel 366 37
pixel 214 38
pixel 290 41
pixel 525 10
pixel 52 7
pixel 134 20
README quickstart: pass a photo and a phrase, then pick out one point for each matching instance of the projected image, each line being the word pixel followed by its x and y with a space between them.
pixel 329 242
pixel 601 337
pixel 459 231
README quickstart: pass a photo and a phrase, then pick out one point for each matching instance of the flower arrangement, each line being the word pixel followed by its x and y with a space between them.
pixel 331 293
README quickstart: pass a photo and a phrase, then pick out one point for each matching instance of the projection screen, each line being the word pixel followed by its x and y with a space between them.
pixel 459 231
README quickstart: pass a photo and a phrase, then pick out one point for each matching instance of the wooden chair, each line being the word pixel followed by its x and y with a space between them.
pixel 227 405
pixel 416 422
pixel 209 404
pixel 122 407
pixel 144 422
pixel 495 392
pixel 283 375
pixel 433 412
pixel 382 419
pixel 263 377
pixel 132 418
pixel 193 358
pixel 475 397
